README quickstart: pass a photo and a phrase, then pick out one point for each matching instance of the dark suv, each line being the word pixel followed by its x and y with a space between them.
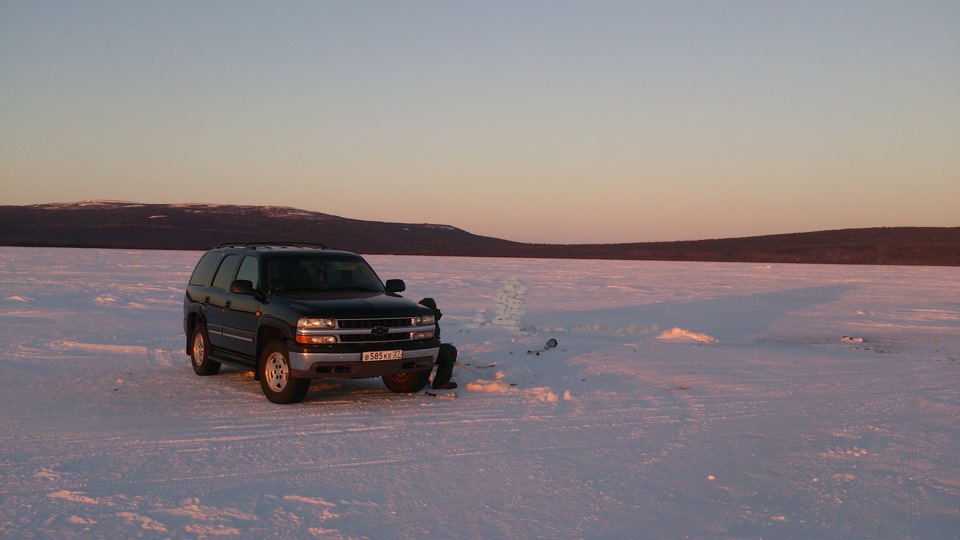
pixel 295 312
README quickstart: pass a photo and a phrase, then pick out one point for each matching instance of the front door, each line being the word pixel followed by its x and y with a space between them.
pixel 239 323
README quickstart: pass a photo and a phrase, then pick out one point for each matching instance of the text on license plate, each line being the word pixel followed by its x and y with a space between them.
pixel 372 356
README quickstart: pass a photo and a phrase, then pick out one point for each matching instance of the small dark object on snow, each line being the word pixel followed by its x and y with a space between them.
pixel 551 343
pixel 452 395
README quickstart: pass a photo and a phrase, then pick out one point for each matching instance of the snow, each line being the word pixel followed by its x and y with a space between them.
pixel 95 203
pixel 681 334
pixel 682 400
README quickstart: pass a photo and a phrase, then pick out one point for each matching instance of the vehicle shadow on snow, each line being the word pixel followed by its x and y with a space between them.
pixel 321 390
pixel 724 318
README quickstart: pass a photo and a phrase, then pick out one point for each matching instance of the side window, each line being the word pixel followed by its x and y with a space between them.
pixel 273 273
pixel 228 269
pixel 250 269
pixel 203 271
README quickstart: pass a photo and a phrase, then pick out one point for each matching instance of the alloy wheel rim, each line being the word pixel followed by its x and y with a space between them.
pixel 198 349
pixel 277 372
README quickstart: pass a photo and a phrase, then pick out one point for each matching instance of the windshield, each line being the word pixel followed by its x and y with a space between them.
pixel 321 272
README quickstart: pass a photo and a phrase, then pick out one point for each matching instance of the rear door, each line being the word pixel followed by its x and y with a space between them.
pixel 219 299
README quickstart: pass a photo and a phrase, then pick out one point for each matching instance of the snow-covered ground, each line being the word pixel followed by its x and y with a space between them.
pixel 683 400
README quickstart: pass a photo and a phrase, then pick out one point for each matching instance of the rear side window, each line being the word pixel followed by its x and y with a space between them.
pixel 228 269
pixel 203 271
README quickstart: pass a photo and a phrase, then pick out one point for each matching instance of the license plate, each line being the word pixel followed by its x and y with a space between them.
pixel 373 356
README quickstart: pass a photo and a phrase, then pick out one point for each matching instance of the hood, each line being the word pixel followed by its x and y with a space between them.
pixel 351 305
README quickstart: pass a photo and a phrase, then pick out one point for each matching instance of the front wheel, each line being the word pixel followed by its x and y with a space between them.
pixel 276 381
pixel 200 352
pixel 407 382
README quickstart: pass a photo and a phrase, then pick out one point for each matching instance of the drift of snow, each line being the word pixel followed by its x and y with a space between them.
pixel 679 333
pixel 682 400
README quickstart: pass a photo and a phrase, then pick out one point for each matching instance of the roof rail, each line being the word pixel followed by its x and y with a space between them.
pixel 270 245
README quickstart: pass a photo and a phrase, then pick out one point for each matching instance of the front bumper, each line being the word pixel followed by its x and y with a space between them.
pixel 317 365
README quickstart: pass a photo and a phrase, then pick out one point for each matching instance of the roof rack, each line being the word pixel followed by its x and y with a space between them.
pixel 271 245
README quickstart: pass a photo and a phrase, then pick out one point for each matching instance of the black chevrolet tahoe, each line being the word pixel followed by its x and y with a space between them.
pixel 295 312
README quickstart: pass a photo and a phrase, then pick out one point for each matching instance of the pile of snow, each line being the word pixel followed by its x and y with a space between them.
pixel 686 335
pixel 538 393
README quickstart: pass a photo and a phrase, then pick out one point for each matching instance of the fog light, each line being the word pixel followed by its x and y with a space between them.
pixel 316 340
pixel 424 335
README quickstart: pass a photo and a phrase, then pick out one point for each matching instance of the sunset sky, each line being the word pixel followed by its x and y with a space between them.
pixel 537 121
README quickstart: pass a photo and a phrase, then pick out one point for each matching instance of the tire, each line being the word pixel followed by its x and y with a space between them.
pixel 407 382
pixel 276 381
pixel 200 352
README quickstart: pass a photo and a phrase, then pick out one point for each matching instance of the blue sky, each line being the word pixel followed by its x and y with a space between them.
pixel 559 122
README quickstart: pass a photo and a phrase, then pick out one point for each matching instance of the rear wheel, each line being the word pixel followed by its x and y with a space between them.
pixel 276 380
pixel 200 352
pixel 407 382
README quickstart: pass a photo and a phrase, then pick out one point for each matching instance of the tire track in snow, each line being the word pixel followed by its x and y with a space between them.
pixel 613 428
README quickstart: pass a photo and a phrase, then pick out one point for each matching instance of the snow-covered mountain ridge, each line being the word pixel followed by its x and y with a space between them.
pixel 197 226
pixel 275 211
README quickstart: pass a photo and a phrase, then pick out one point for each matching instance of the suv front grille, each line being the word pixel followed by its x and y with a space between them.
pixel 373 323
pixel 368 338
pixel 366 331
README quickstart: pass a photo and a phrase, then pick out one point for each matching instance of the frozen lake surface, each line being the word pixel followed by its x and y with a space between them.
pixel 683 400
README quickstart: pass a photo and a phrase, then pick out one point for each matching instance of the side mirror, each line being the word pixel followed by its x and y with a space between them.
pixel 242 286
pixel 395 286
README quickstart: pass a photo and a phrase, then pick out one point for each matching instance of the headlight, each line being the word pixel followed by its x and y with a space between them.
pixel 311 331
pixel 424 320
pixel 316 324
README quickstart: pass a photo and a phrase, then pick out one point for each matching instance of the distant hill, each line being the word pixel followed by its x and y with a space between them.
pixel 112 224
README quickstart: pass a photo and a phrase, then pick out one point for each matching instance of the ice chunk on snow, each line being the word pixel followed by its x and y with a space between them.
pixel 509 304
pixel 73 496
pixel 681 334
pixel 540 393
pixel 494 387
